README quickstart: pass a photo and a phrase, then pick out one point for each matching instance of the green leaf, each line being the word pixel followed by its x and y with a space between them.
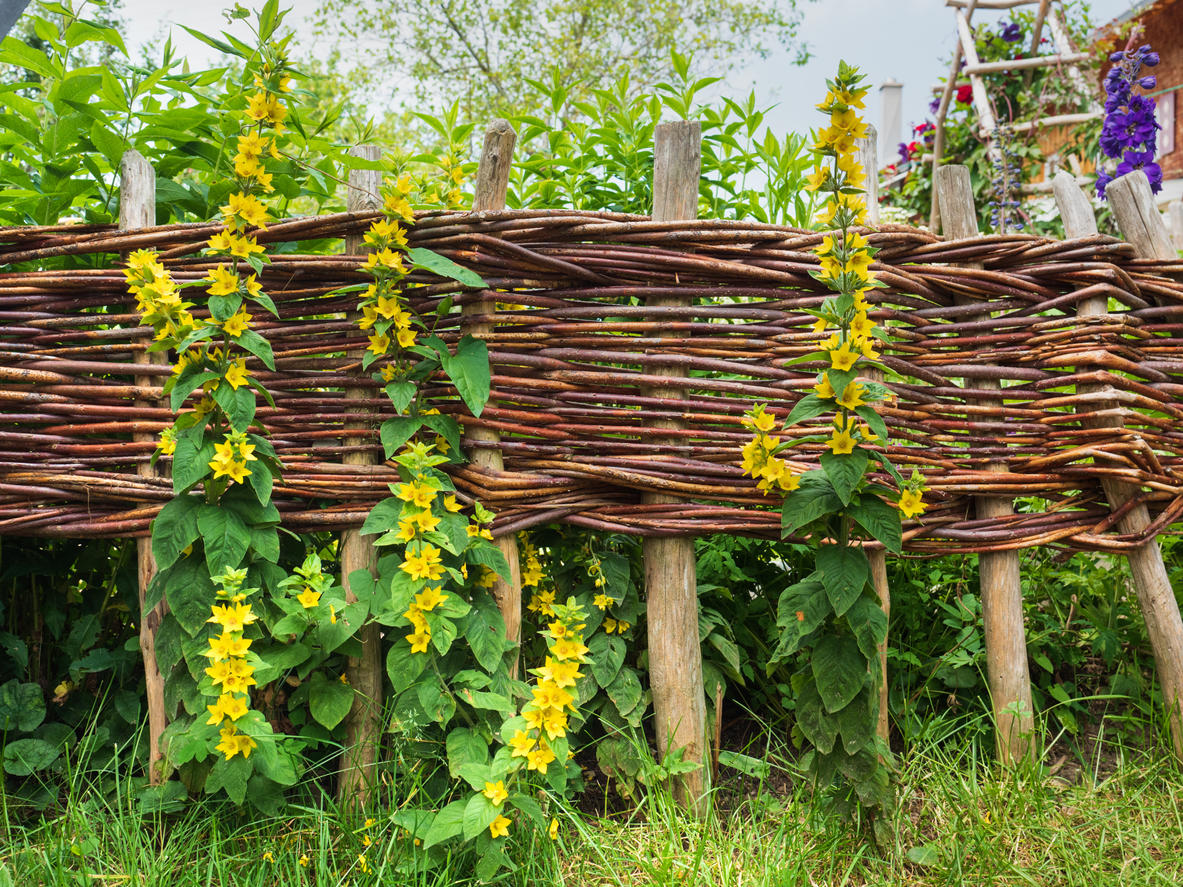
pixel 25 756
pixel 479 814
pixel 444 267
pixel 230 775
pixel 382 517
pixel 840 671
pixel 845 471
pixel 437 703
pixel 329 701
pixel 447 428
pixel 401 394
pixel 397 431
pixel 607 654
pixel 448 823
pixel 225 536
pixel 813 498
pixel 22 55
pixel 258 346
pixel 625 691
pixel 466 746
pixel 469 372
pixel 174 530
pixel 403 666
pixel 856 724
pixel 880 520
pixel 22 706
pixel 819 728
pixel 808 407
pixel 869 624
pixel 486 554
pixel 874 421
pixel 800 610
pixel 845 572
pixel 238 403
pixel 190 462
pixel 190 380
pixel 484 629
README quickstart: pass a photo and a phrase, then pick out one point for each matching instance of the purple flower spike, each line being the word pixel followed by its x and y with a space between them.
pixel 1129 131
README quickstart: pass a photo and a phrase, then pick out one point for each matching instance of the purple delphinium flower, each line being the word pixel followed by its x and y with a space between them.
pixel 1129 131
pixel 1012 33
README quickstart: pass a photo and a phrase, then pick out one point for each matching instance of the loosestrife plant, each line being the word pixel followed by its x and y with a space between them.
pixel 1129 132
pixel 832 620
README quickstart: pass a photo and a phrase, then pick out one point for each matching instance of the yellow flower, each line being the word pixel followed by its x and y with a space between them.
pixel 603 602
pixel 418 493
pixel 379 343
pixel 268 857
pixel 308 598
pixel 842 358
pixel 238 324
pixel 823 388
pixel 451 504
pixel 168 442
pixel 841 441
pixel 252 145
pixel 234 743
pixel 227 645
pixel 419 640
pixel 386 259
pixel 223 281
pixel 428 599
pixel 304 860
pixel 552 831
pixel 266 108
pixel 219 242
pixel 237 374
pixel 852 395
pixel 816 179
pixel 232 617
pixel 568 648
pixel 609 625
pixel 495 792
pixel 242 246
pixel 555 723
pixel 231 468
pixel 425 564
pixel 911 504
pixel 426 521
pixel 521 743
pixel 405 338
pixel 562 674
pixel 244 210
pixel 862 326
pixel 539 758
pixel 549 695
pixel 499 827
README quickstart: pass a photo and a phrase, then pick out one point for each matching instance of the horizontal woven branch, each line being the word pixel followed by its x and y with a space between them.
pixel 580 342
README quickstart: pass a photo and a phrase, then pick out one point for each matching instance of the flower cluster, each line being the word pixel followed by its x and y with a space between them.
pixel 383 312
pixel 158 300
pixel 541 599
pixel 420 515
pixel 759 454
pixel 230 673
pixel 923 134
pixel 1005 179
pixel 546 714
pixel 1129 131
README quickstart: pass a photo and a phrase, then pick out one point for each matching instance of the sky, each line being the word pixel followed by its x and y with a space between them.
pixel 904 40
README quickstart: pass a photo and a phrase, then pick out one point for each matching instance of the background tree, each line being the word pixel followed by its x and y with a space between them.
pixel 484 54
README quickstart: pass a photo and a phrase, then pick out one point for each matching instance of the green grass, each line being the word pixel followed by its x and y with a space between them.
pixel 961 820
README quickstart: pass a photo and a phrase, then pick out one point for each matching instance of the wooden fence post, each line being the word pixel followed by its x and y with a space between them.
pixel 868 157
pixel 1141 225
pixel 137 209
pixel 671 579
pixel 358 776
pixel 1001 586
pixel 492 181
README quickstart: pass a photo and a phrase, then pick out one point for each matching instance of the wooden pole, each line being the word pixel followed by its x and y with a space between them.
pixel 867 154
pixel 137 209
pixel 358 777
pixel 671 583
pixel 1142 226
pixel 938 139
pixel 492 181
pixel 1001 588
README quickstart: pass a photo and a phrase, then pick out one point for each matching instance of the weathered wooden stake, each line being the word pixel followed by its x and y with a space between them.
pixel 492 181
pixel 1142 226
pixel 671 581
pixel 137 209
pixel 867 156
pixel 1001 586
pixel 358 777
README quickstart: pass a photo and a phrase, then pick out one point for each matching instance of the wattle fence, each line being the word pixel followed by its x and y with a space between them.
pixel 625 351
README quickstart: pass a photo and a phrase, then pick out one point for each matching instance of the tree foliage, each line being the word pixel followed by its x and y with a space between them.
pixel 484 53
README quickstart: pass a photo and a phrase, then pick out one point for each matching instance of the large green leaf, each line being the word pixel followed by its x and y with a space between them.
pixel 880 520
pixel 239 404
pixel 800 610
pixel 190 462
pixel 484 629
pixel 465 746
pixel 845 470
pixel 22 706
pixel 329 700
pixel 840 671
pixel 469 371
pixel 479 814
pixel 444 267
pixel 403 666
pixel 397 431
pixel 226 538
pixel 174 530
pixel 25 756
pixel 807 408
pixel 813 498
pixel 844 571
pixel 607 654
pixel 869 624
pixel 448 823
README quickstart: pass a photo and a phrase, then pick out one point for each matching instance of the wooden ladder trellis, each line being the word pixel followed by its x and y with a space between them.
pixel 1065 55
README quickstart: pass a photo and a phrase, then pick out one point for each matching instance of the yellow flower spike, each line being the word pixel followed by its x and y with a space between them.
pixel 168 442
pixel 424 564
pixel 244 210
pixel 232 617
pixel 242 246
pixel 227 645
